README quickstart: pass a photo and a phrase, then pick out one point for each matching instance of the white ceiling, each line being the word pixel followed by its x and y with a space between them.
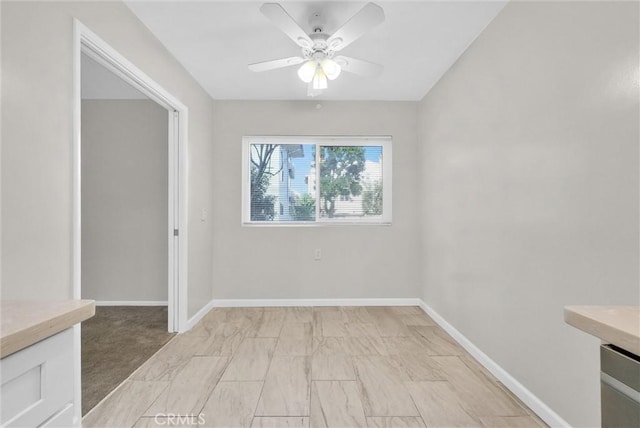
pixel 216 40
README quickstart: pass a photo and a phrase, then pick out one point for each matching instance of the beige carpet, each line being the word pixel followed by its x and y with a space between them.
pixel 115 342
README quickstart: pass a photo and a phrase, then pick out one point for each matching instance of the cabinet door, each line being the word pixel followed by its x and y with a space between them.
pixel 63 419
pixel 37 382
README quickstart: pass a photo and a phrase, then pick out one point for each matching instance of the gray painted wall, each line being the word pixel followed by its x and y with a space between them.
pixel 124 200
pixel 37 139
pixel 277 262
pixel 529 155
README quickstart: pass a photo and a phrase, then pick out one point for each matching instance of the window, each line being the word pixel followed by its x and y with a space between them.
pixel 316 180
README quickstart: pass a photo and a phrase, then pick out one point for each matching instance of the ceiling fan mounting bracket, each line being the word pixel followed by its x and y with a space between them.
pixel 316 22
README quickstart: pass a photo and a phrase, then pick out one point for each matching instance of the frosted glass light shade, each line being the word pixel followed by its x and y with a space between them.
pixel 307 71
pixel 320 80
pixel 331 68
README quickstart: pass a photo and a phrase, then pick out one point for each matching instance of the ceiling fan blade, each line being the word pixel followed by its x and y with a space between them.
pixel 276 63
pixel 285 22
pixel 358 66
pixel 368 17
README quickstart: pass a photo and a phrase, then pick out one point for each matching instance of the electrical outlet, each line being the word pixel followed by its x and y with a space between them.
pixel 317 254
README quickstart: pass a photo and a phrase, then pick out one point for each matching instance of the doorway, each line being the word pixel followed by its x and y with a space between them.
pixel 115 159
pixel 89 44
pixel 124 160
pixel 124 175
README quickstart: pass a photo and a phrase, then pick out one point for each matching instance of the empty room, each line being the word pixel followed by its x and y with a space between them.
pixel 333 214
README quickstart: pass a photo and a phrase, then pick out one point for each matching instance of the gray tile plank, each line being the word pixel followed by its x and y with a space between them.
pixel 478 395
pixel 440 406
pixel 332 367
pixel 231 404
pixel 189 389
pixel 395 422
pixel 509 422
pixel 384 393
pixel 280 422
pixel 251 360
pixel 125 405
pixel 286 387
pixel 336 404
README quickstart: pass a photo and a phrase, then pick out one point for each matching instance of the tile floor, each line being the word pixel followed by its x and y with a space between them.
pixel 312 367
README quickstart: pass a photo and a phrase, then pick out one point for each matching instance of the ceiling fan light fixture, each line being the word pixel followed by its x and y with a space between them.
pixel 318 61
pixel 320 80
pixel 307 71
pixel 312 92
pixel 331 68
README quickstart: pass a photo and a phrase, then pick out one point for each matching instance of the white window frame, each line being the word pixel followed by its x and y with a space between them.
pixel 360 141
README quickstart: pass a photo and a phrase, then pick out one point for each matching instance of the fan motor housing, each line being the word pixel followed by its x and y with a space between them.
pixel 319 41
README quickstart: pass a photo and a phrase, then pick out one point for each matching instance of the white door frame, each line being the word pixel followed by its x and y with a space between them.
pixel 87 42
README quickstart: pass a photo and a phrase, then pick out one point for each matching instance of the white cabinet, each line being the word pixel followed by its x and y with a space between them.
pixel 37 384
pixel 62 419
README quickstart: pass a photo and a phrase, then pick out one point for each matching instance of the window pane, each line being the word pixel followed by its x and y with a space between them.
pixel 350 182
pixel 281 189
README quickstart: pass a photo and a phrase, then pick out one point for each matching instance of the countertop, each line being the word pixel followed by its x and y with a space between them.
pixel 25 322
pixel 617 325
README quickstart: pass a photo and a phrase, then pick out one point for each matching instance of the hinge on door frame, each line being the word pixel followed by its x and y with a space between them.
pixel 175 232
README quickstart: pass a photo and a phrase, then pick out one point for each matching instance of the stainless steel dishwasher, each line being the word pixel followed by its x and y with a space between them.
pixel 619 387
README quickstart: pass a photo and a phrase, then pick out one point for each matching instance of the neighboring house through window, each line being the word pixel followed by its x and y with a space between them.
pixel 282 183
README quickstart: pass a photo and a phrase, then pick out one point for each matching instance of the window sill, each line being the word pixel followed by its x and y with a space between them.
pixel 317 224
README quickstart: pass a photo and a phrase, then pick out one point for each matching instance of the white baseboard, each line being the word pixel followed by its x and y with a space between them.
pixel 198 316
pixel 543 411
pixel 233 303
pixel 132 303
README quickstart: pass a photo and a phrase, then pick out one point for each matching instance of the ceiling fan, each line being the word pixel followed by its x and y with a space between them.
pixel 319 60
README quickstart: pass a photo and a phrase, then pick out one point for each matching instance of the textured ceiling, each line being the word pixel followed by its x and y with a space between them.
pixel 215 41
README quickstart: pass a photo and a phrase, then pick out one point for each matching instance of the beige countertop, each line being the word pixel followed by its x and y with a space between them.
pixel 617 325
pixel 25 322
